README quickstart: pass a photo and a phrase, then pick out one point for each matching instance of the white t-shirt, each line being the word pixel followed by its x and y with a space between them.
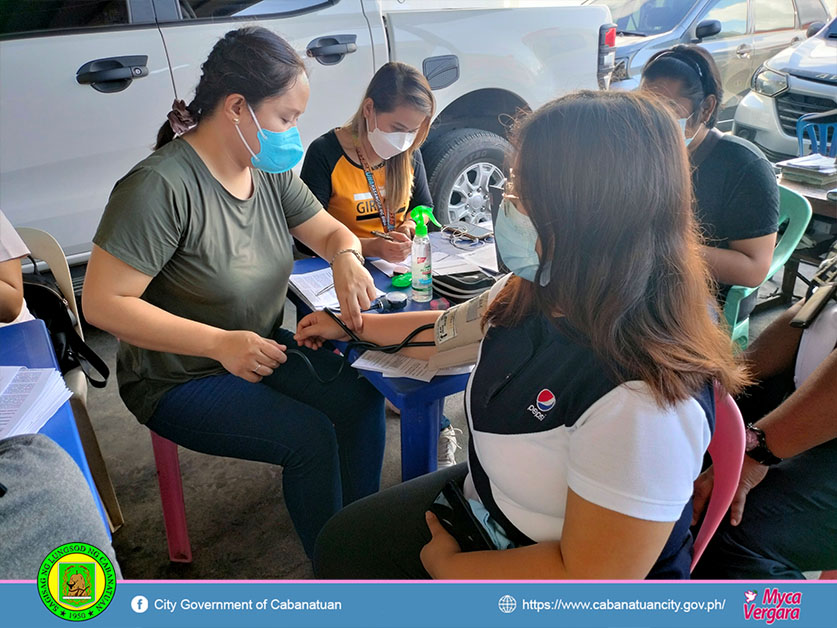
pixel 12 247
pixel 558 425
pixel 817 342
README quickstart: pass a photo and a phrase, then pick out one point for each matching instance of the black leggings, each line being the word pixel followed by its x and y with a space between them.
pixel 380 537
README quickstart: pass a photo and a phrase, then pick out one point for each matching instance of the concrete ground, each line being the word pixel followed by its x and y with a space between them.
pixel 238 523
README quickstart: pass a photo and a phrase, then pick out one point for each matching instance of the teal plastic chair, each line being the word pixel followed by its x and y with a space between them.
pixel 795 210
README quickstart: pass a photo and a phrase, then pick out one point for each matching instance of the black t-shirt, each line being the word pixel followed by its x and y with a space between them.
pixel 736 194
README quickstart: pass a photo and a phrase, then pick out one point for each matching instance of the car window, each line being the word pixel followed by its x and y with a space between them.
pixel 732 14
pixel 18 17
pixel 647 17
pixel 810 11
pixel 774 15
pixel 214 9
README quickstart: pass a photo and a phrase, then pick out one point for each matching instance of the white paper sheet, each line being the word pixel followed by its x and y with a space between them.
pixel 30 399
pixel 317 289
pixel 484 257
pixel 7 374
pixel 395 365
pixel 388 268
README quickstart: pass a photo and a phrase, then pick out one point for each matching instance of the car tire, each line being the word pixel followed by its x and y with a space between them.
pixel 460 166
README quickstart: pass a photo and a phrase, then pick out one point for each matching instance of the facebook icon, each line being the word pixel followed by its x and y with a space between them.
pixel 139 604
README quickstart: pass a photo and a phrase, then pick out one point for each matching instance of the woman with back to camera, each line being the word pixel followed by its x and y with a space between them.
pixel 590 406
pixel 736 195
pixel 190 270
pixel 369 173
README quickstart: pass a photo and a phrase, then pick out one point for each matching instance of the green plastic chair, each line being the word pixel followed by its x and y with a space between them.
pixel 796 211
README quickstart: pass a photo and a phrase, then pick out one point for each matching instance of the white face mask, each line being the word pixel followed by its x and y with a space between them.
pixel 684 121
pixel 388 145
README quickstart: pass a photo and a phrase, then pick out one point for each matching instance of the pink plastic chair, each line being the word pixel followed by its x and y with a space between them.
pixel 727 452
pixel 171 494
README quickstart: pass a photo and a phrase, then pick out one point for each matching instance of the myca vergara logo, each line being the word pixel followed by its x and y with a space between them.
pixel 76 581
pixel 773 605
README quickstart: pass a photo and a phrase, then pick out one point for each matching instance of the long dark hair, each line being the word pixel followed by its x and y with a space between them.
pixel 251 61
pixel 396 84
pixel 696 70
pixel 604 177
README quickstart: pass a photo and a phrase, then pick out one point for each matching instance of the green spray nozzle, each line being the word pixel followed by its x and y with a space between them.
pixel 420 214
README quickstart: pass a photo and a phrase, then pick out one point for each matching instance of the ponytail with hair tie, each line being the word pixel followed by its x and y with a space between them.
pixel 180 118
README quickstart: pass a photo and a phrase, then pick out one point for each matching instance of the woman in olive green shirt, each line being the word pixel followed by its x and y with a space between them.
pixel 190 271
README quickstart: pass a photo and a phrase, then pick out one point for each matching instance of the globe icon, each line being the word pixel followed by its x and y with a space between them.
pixel 507 604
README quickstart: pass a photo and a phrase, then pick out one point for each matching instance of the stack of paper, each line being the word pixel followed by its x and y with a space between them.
pixel 29 398
pixel 317 289
pixel 815 169
pixel 448 259
pixel 395 365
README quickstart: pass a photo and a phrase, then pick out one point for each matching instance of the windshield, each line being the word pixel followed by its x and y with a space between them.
pixel 647 17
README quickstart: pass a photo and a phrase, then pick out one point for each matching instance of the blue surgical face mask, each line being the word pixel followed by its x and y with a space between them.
pixel 516 239
pixel 278 152
pixel 683 122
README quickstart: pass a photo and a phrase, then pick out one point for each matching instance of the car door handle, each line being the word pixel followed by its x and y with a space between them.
pixel 331 49
pixel 744 51
pixel 112 74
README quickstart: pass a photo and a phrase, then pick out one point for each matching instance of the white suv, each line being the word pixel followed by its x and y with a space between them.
pixel 86 84
pixel 798 80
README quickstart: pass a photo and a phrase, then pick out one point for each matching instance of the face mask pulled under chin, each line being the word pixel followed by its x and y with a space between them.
pixel 683 122
pixel 278 151
pixel 516 239
pixel 388 145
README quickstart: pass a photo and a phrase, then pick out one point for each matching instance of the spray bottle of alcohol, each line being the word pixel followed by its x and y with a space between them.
pixel 421 262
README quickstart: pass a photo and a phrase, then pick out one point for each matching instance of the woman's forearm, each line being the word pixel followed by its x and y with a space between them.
pixel 542 561
pixel 144 325
pixel 808 417
pixel 11 302
pixel 340 239
pixel 369 246
pixel 391 329
pixel 733 267
pixel 11 290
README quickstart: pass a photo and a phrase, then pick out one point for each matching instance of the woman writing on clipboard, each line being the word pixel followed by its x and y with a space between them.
pixel 369 173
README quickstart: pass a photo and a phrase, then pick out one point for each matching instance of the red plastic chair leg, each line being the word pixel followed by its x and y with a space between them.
pixel 171 494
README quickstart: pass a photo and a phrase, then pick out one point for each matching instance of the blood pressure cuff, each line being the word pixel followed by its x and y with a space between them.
pixel 458 333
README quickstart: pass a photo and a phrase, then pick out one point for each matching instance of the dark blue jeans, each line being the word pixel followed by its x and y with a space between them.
pixel 329 438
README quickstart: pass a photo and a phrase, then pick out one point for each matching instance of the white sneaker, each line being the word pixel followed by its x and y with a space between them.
pixel 447 447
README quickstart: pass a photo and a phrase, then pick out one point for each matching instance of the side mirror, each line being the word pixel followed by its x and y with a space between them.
pixel 707 28
pixel 813 29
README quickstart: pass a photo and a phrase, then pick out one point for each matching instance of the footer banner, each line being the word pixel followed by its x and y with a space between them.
pixel 83 593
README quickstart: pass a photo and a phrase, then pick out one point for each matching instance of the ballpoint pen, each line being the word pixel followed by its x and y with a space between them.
pixel 385 236
pixel 324 290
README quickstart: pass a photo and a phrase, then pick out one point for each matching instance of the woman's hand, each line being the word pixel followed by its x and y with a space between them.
pixel 703 486
pixel 248 355
pixel 354 287
pixel 395 251
pixel 316 328
pixel 408 228
pixel 751 474
pixel 437 554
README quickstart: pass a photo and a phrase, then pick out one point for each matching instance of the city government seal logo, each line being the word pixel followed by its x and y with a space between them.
pixel 76 581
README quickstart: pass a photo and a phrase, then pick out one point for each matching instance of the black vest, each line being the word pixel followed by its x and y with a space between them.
pixel 515 365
